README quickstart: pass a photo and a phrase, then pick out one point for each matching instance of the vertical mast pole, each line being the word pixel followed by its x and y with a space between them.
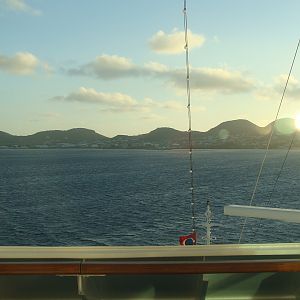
pixel 188 91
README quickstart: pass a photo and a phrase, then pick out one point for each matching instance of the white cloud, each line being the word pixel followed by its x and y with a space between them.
pixel 281 80
pixel 173 43
pixel 107 67
pixel 275 90
pixel 213 80
pixel 23 63
pixel 22 6
pixel 156 67
pixel 223 80
pixel 88 95
pixel 293 89
pixel 116 102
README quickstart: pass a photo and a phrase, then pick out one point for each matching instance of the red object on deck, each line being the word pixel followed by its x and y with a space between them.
pixel 188 240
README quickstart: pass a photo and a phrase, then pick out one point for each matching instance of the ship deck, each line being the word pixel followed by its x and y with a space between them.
pixel 264 271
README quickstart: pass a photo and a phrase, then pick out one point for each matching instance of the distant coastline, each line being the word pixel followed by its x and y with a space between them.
pixel 235 134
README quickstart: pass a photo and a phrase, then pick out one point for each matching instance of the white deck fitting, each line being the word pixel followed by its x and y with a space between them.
pixel 23 252
pixel 279 214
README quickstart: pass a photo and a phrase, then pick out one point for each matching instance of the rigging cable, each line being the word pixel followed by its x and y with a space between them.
pixel 283 163
pixel 188 91
pixel 269 141
pixel 280 171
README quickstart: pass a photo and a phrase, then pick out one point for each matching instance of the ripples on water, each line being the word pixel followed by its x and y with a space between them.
pixel 137 197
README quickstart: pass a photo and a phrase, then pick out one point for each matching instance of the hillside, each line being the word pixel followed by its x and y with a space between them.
pixel 233 134
pixel 63 138
pixel 237 127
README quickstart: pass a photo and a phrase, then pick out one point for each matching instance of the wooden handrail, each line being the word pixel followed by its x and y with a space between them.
pixel 40 268
pixel 147 267
pixel 94 268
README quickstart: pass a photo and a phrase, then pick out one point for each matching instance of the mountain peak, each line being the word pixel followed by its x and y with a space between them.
pixel 164 130
pixel 236 127
pixel 81 130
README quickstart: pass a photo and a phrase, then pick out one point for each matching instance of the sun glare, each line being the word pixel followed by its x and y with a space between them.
pixel 297 121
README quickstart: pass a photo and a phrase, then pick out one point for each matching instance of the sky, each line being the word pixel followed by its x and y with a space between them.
pixel 118 67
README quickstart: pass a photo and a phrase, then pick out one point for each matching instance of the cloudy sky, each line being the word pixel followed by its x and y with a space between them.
pixel 118 67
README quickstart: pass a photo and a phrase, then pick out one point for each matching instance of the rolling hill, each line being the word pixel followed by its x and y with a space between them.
pixel 227 135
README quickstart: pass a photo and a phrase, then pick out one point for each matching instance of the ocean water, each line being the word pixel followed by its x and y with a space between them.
pixel 139 197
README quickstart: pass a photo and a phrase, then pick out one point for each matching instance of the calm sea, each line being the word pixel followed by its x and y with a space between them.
pixel 137 197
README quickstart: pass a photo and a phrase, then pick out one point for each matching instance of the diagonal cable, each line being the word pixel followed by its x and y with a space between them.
pixel 269 141
pixel 281 168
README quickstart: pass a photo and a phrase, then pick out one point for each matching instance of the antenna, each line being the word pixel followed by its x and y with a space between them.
pixel 208 215
pixel 208 224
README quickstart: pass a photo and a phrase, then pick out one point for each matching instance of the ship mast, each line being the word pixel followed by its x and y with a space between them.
pixel 188 91
pixel 208 213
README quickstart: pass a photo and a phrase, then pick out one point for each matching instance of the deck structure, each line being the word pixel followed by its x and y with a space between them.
pixel 195 272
